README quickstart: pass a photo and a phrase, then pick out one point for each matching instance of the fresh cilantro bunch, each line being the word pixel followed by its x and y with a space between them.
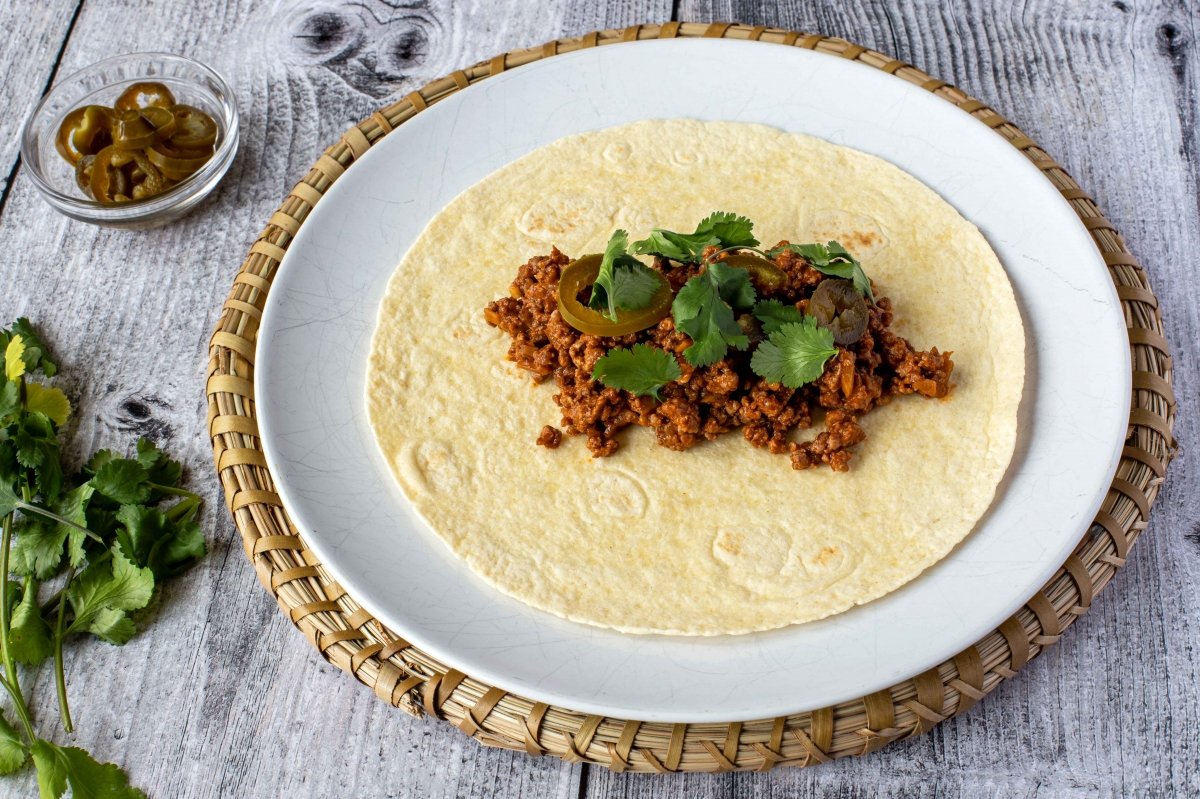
pixel 97 544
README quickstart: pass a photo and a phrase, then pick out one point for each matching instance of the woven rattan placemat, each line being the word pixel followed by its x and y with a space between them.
pixel 401 674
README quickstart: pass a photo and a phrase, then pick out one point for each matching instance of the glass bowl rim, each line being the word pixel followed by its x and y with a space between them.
pixel 150 206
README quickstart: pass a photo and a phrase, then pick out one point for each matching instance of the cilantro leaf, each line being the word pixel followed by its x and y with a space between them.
pixel 730 229
pixel 733 284
pixel 617 244
pixel 103 591
pixel 161 469
pixel 37 355
pixel 29 639
pixel 122 480
pixel 641 370
pixel 60 766
pixel 794 354
pixel 14 360
pixel 676 246
pixel 153 540
pixel 720 228
pixel 704 308
pixel 831 259
pixel 10 469
pixel 624 283
pixel 8 499
pixel 774 314
pixel 37 449
pixel 98 459
pixel 12 749
pixel 112 625
pixel 48 400
pixel 633 285
pixel 10 400
pixel 38 550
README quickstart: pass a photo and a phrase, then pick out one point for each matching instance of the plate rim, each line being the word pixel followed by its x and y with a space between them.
pixel 842 49
pixel 448 643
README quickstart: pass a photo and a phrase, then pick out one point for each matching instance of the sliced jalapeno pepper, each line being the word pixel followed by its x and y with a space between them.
pixel 150 181
pixel 581 273
pixel 83 174
pixel 837 305
pixel 145 95
pixel 766 274
pixel 141 128
pixel 85 131
pixel 177 163
pixel 195 130
pixel 108 182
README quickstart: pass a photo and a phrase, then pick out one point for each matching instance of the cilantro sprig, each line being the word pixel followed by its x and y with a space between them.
pixel 99 543
pixel 794 354
pixel 641 370
pixel 831 259
pixel 721 228
pixel 704 309
pixel 624 283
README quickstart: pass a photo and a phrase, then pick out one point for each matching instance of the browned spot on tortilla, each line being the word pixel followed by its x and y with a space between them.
pixel 861 239
pixel 825 554
pixel 731 543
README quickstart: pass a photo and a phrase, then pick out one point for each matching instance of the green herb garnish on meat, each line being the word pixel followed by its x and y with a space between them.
pixel 704 309
pixel 724 295
pixel 624 282
pixel 641 370
pixel 794 354
pixel 831 259
pixel 773 315
pixel 721 229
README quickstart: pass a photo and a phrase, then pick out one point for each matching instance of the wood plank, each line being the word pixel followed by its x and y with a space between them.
pixel 222 697
pixel 27 63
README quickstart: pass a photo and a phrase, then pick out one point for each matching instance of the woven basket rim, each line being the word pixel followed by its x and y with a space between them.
pixel 403 675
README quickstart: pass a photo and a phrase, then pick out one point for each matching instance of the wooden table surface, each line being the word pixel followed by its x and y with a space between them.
pixel 222 697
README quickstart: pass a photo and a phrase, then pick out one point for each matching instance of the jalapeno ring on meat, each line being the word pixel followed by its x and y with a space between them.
pixel 766 274
pixel 581 273
pixel 838 306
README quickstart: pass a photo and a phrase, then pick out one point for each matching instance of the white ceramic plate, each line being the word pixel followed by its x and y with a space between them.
pixel 316 334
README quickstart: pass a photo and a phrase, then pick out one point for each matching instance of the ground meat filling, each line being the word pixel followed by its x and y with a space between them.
pixel 550 437
pixel 708 401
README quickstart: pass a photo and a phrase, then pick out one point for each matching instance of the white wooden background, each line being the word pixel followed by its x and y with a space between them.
pixel 222 697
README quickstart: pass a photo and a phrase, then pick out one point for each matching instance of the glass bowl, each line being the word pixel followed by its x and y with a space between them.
pixel 190 81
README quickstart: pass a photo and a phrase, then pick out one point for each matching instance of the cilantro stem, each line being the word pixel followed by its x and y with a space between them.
pixel 40 511
pixel 179 492
pixel 60 677
pixel 182 508
pixel 11 682
pixel 711 258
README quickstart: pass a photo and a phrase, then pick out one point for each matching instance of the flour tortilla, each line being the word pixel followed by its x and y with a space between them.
pixel 723 538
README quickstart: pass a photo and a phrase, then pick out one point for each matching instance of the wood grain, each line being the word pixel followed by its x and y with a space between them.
pixel 222 698
pixel 27 62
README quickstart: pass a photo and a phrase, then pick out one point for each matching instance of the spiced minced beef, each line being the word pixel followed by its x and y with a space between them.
pixel 708 401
